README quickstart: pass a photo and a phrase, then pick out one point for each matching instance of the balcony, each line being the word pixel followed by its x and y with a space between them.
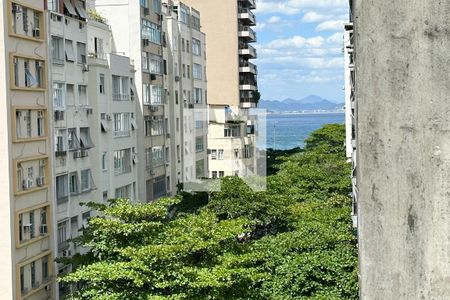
pixel 248 67
pixel 247 100
pixel 247 51
pixel 246 16
pixel 120 97
pixel 247 33
pixel 248 3
pixel 248 83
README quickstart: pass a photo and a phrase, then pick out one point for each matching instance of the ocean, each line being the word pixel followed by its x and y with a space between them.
pixel 290 130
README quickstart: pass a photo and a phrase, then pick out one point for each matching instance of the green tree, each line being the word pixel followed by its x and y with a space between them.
pixel 294 241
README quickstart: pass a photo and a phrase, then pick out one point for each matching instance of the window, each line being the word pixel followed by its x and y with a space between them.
pixel 214 174
pixel 197 71
pixel 248 151
pixel 85 138
pixel 121 124
pixel 123 192
pixel 159 187
pixel 184 71
pixel 30 123
pixel 198 120
pixel 58 96
pixel 155 62
pixel 70 94
pixel 145 61
pixel 60 141
pixel 199 144
pixel 28 73
pixel 151 32
pixel 73 183
pixel 152 94
pixel 62 188
pixel 101 83
pixel 104 161
pixel 221 174
pixel 198 96
pixel 213 154
pixel 81 52
pixel 82 95
pixel 72 139
pixel 220 154
pixel 196 47
pixel 195 23
pixel 184 15
pixel 154 126
pixel 122 161
pixel 157 6
pixel 85 180
pixel 144 3
pixel 188 71
pixel 121 88
pixel 57 50
pixel 232 131
pixel 40 123
pixel 98 48
pixel 62 235
pixel 187 46
pixel 70 55
pixel 44 268
pixel 154 157
pixel 183 47
pixel 174 43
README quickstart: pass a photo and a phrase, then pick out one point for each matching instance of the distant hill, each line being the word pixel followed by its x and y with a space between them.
pixel 310 103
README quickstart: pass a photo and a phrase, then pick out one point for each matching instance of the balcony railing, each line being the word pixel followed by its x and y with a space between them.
pixel 122 133
pixel 249 3
pixel 247 32
pixel 246 16
pixel 120 97
pixel 247 50
pixel 248 67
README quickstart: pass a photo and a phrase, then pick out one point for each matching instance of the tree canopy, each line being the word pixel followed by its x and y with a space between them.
pixel 294 241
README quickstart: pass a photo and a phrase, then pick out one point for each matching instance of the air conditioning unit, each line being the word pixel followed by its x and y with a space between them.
pixel 27 227
pixel 177 78
pixel 59 115
pixel 153 108
pixel 36 32
pixel 85 68
pixel 84 153
pixel 43 230
pixel 40 181
pixel 146 11
pixel 77 154
pixel 66 253
pixel 16 8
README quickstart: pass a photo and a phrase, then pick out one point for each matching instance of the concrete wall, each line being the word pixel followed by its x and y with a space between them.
pixel 402 89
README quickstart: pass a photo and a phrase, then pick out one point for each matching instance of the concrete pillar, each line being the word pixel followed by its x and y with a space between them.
pixel 403 117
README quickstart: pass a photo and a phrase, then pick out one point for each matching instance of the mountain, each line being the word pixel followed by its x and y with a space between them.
pixel 309 103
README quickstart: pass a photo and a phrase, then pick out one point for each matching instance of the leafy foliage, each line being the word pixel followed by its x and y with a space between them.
pixel 294 241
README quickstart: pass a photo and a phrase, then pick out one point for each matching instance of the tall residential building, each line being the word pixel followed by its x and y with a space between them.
pixel 186 81
pixel 140 34
pixel 402 144
pixel 111 84
pixel 72 124
pixel 232 85
pixel 26 186
pixel 350 112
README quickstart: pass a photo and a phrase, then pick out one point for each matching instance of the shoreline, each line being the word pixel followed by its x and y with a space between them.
pixel 305 113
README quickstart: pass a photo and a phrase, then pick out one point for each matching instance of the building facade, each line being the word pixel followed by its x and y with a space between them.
pixel 232 85
pixel 26 146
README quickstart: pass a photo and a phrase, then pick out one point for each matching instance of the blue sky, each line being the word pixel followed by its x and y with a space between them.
pixel 300 48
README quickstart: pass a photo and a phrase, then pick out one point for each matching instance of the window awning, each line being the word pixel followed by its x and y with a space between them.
pixel 105 127
pixel 31 78
pixel 133 124
pixel 70 55
pixel 69 7
pixel 80 9
pixel 85 140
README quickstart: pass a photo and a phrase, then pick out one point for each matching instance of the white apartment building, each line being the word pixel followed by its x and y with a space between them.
pixel 232 85
pixel 111 78
pixel 72 124
pixel 26 205
pixel 185 80
pixel 350 112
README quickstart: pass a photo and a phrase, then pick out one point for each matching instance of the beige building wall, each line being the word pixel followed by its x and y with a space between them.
pixel 26 185
pixel 219 23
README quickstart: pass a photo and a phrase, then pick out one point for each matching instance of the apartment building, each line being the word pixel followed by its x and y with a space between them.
pixel 27 203
pixel 72 124
pixel 185 79
pixel 111 78
pixel 350 112
pixel 232 85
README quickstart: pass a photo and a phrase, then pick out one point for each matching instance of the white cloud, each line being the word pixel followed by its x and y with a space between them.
pixel 313 17
pixel 274 20
pixel 294 7
pixel 333 25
